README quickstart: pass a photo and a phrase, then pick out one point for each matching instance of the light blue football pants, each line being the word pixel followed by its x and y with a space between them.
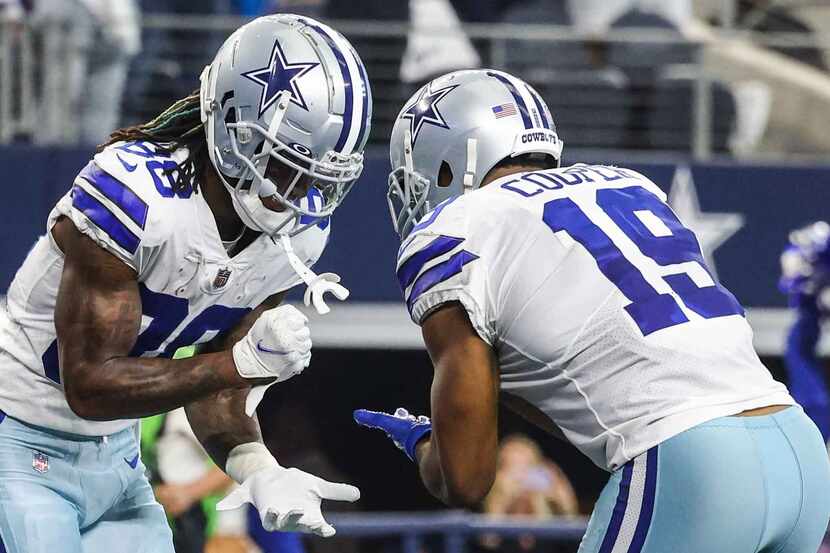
pixel 62 493
pixel 731 485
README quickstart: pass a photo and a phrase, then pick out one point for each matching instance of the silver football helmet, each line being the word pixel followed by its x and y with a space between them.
pixel 462 124
pixel 291 92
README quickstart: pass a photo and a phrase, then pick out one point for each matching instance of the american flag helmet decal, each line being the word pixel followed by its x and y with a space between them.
pixel 504 110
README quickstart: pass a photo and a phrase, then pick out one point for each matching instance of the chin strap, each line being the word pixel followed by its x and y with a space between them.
pixel 472 161
pixel 316 285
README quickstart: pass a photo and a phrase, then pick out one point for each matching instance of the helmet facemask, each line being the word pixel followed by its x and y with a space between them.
pixel 408 193
pixel 333 176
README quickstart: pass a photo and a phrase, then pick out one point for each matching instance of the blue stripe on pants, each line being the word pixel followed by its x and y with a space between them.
pixel 647 508
pixel 729 485
pixel 619 510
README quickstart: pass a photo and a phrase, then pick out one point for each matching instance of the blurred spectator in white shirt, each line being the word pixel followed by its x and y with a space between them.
pixel 11 10
pixel 87 46
pixel 436 43
pixel 596 16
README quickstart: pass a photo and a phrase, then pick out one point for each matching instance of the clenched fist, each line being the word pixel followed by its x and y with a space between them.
pixel 278 346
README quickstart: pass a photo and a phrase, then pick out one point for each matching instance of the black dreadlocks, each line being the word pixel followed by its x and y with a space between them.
pixel 179 126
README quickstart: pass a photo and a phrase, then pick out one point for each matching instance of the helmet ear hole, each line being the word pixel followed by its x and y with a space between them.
pixel 444 175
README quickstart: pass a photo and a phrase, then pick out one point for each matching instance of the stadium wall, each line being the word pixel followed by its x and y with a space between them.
pixel 741 212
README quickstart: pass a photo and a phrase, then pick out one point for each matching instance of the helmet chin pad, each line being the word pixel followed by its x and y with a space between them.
pixel 253 213
pixel 336 173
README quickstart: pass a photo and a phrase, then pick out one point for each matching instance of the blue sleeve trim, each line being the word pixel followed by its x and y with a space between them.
pixel 104 219
pixel 412 267
pixel 117 192
pixel 438 274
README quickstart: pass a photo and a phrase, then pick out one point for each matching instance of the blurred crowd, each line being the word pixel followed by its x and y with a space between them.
pixel 528 486
pixel 113 69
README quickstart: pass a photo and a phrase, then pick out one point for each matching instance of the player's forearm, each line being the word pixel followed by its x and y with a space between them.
pixel 220 423
pixel 429 467
pixel 466 489
pixel 126 387
pixel 219 420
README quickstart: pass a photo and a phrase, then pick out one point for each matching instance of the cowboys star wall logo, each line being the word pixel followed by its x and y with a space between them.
pixel 279 76
pixel 711 229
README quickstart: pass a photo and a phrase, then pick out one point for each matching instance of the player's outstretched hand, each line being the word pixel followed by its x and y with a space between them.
pixel 277 346
pixel 288 500
pixel 403 429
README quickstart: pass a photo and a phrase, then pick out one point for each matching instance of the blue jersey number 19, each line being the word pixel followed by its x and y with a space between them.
pixel 637 212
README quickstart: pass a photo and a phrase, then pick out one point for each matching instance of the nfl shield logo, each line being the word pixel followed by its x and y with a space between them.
pixel 40 462
pixel 222 277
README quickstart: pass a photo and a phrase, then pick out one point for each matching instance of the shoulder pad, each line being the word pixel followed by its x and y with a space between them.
pixel 121 199
pixel 646 182
pixel 144 168
pixel 446 218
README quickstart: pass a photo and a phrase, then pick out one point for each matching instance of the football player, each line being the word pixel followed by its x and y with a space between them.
pixel 805 278
pixel 185 230
pixel 576 296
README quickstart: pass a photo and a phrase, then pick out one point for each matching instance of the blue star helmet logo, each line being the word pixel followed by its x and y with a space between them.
pixel 278 76
pixel 425 110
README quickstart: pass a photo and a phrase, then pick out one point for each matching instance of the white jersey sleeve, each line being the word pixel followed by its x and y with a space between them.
pixel 444 260
pixel 118 206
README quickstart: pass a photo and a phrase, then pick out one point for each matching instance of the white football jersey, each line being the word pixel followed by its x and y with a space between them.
pixel 190 289
pixel 596 299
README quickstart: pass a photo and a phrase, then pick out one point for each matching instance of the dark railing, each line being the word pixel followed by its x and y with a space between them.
pixel 454 528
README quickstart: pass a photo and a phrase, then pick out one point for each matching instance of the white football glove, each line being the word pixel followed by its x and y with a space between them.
pixel 277 346
pixel 288 500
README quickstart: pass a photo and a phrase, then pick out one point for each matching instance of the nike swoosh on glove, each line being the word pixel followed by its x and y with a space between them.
pixel 278 346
